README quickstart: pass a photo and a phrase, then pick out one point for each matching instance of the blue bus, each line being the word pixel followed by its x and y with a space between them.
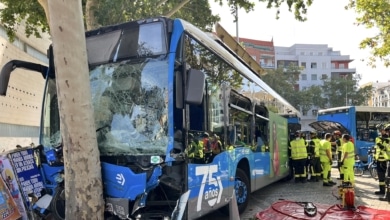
pixel 158 87
pixel 359 121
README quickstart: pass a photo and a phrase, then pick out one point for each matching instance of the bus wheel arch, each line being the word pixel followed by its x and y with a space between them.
pixel 242 188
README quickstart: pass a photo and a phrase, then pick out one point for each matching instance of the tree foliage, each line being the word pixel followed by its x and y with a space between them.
pixel 374 14
pixel 111 12
pixel 342 92
pixel 332 93
pixel 29 12
pixel 283 82
pixel 108 12
pixel 299 6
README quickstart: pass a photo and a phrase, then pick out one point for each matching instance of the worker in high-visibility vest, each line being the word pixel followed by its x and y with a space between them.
pixel 194 151
pixel 326 159
pixel 299 157
pixel 315 163
pixel 339 151
pixel 348 159
pixel 386 148
pixel 381 158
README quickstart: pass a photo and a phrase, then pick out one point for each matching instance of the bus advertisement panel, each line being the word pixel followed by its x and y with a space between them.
pixel 279 139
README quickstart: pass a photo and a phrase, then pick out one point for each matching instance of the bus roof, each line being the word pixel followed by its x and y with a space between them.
pixel 236 63
pixel 357 109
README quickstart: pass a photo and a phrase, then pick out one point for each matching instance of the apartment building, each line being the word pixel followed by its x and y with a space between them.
pixel 380 94
pixel 20 109
pixel 261 51
pixel 319 61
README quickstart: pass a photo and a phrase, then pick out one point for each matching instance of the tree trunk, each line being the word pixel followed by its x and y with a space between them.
pixel 83 182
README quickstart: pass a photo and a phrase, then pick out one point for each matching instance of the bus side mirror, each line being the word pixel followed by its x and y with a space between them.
pixel 4 77
pixel 12 65
pixel 195 87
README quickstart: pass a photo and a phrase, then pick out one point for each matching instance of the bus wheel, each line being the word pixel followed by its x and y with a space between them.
pixel 241 187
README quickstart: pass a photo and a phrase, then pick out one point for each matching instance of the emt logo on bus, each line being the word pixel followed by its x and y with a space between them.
pixel 211 187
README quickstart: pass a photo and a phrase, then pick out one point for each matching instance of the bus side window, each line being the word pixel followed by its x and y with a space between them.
pixel 261 128
pixel 240 117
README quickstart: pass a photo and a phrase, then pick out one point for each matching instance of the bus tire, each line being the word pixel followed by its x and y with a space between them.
pixel 57 205
pixel 242 190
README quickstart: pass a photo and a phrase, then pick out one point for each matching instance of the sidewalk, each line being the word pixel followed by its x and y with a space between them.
pixel 365 186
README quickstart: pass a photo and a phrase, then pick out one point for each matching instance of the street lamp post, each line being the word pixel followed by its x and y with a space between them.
pixel 346 95
pixel 346 89
pixel 238 38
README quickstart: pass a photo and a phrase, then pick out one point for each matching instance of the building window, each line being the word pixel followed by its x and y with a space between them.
pixel 311 53
pixel 313 65
pixel 262 62
pixel 333 66
pixel 324 65
pixel 319 53
pixel 324 76
pixel 313 77
pixel 341 66
pixel 302 53
pixel 280 64
pixel 304 77
pixel 303 65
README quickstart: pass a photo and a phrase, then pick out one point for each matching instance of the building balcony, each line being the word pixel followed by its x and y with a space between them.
pixel 338 57
pixel 267 65
pixel 349 70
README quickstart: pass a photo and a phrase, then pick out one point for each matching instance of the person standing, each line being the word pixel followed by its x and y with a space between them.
pixel 348 159
pixel 207 151
pixel 339 151
pixel 315 162
pixel 386 144
pixel 381 158
pixel 299 157
pixel 194 151
pixel 326 159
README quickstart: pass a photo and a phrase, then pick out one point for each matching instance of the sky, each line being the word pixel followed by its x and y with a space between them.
pixel 327 23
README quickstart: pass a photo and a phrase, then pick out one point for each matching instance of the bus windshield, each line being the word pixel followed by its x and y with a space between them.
pixel 51 134
pixel 130 108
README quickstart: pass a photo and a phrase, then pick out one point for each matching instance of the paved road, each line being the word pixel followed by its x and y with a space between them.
pixel 309 192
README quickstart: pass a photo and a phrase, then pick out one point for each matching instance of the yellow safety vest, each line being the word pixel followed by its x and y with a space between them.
pixel 350 149
pixel 381 155
pixel 388 148
pixel 317 146
pixel 298 149
pixel 324 146
pixel 195 150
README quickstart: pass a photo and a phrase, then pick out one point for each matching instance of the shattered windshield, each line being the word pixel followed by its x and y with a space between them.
pixel 51 135
pixel 130 107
